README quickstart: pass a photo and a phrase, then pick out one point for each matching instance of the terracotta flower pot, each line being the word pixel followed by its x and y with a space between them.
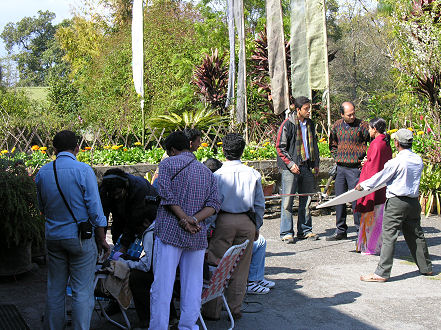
pixel 268 190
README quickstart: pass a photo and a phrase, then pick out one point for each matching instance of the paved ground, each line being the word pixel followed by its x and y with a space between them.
pixel 317 287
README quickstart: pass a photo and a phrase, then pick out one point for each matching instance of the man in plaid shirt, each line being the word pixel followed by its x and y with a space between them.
pixel 189 195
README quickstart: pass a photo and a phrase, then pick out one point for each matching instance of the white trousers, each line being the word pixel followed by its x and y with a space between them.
pixel 167 258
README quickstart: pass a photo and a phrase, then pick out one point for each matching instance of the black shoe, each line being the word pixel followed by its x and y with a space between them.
pixel 337 237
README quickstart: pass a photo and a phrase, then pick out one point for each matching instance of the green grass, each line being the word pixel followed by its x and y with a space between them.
pixel 35 93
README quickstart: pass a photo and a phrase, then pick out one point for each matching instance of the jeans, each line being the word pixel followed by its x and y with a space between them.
pixel 291 184
pixel 70 258
pixel 257 266
pixel 346 179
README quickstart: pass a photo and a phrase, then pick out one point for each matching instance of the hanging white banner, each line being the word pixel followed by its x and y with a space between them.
pixel 138 47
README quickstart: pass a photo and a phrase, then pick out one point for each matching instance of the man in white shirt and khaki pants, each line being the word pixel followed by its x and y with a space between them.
pixel 402 210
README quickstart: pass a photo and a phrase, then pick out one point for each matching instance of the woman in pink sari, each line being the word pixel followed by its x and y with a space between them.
pixel 371 206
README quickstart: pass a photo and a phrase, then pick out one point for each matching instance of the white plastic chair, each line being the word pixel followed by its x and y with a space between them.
pixel 219 279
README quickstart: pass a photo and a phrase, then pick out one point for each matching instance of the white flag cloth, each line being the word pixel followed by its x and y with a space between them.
pixel 138 47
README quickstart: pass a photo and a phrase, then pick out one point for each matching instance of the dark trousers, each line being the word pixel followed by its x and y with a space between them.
pixel 346 179
pixel 140 283
pixel 403 213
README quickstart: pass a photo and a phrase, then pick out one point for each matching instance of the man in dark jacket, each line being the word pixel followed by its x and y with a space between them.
pixel 124 195
pixel 297 154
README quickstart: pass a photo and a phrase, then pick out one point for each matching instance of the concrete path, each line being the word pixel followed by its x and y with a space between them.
pixel 317 287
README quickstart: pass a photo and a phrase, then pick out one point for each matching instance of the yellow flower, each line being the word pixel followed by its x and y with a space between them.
pixel 137 143
pixel 204 144
pixel 4 152
pixel 392 131
pixel 266 143
pixel 87 148
pixel 219 143
pixel 322 140
pixel 200 148
pixel 43 151
pixel 12 151
pixel 410 129
pixel 125 149
pixel 106 147
pixel 115 147
pixel 252 151
pixel 43 148
pixel 420 132
pixel 35 147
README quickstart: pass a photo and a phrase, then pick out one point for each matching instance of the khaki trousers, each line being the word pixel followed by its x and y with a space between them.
pixel 231 229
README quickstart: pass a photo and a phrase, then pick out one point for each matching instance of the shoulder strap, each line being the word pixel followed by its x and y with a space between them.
pixel 61 193
pixel 191 161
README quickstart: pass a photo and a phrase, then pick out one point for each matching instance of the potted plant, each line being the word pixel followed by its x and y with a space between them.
pixel 20 220
pixel 267 185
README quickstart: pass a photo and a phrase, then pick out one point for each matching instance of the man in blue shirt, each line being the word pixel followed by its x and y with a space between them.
pixel 70 256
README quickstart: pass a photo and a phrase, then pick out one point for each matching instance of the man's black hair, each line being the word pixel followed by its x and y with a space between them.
pixel 213 164
pixel 233 144
pixel 342 109
pixel 177 140
pixel 300 101
pixel 192 133
pixel 65 140
pixel 405 145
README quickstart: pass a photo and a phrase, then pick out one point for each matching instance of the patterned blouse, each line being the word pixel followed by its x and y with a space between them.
pixel 193 188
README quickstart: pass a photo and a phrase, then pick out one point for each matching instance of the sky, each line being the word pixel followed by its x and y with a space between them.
pixel 15 10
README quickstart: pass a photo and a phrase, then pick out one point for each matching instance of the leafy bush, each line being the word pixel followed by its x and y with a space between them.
pixel 324 149
pixel 430 190
pixel 21 219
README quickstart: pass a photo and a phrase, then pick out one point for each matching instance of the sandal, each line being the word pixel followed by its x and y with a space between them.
pixel 372 278
pixel 255 288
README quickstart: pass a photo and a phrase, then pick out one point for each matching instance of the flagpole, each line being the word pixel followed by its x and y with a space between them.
pixel 328 96
pixel 143 120
pixel 138 57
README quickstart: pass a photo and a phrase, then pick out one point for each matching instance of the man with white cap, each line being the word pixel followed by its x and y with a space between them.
pixel 402 210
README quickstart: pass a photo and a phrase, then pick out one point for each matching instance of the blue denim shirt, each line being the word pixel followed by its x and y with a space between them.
pixel 78 183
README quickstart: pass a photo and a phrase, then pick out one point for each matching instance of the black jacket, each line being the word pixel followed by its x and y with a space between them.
pixel 287 155
pixel 130 212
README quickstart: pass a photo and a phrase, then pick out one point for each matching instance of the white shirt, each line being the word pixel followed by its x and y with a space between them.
pixel 304 137
pixel 240 189
pixel 402 175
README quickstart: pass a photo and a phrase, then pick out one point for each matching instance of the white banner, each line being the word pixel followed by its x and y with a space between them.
pixel 138 47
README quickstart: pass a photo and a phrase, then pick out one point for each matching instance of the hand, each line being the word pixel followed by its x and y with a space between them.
pixel 358 187
pixel 103 248
pixel 189 224
pixel 295 169
pixel 256 235
pixel 363 161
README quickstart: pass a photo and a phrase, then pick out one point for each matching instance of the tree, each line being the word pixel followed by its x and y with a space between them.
pixel 417 57
pixel 33 47
pixel 362 65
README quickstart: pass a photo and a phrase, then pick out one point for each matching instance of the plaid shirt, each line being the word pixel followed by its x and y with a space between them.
pixel 192 189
